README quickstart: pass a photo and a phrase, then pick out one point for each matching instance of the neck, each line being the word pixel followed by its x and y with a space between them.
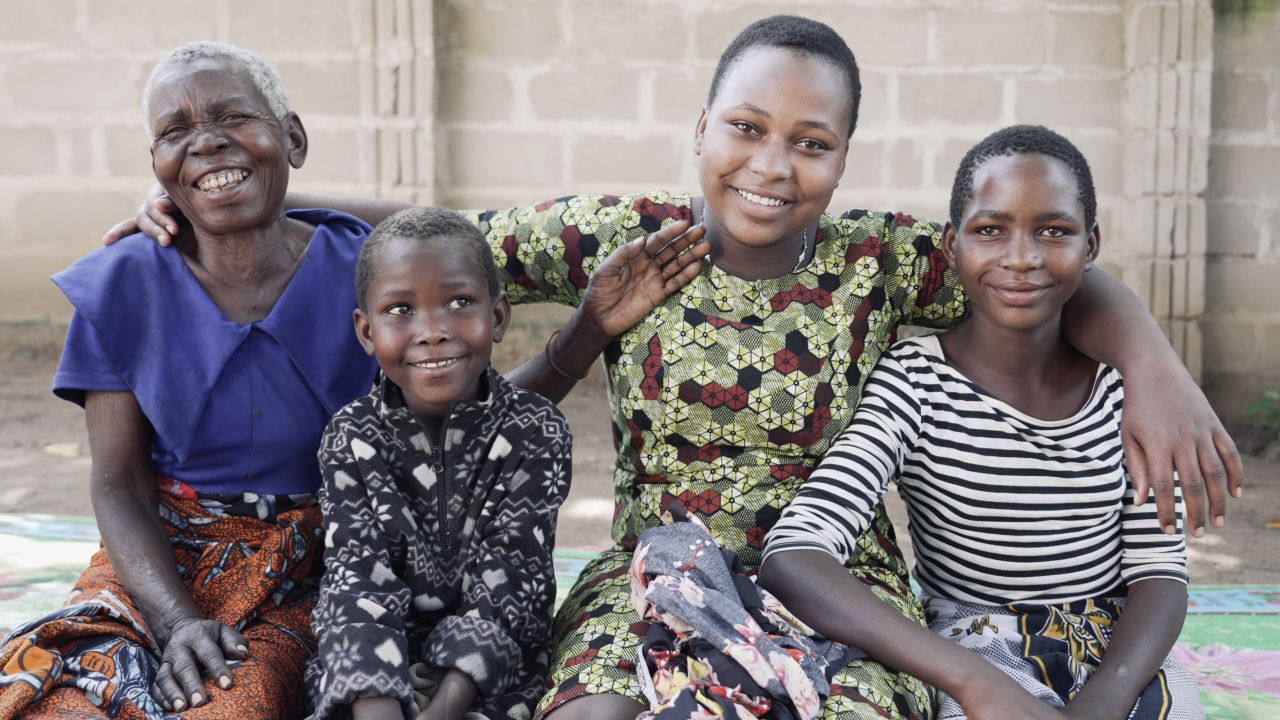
pixel 984 348
pixel 247 258
pixel 754 262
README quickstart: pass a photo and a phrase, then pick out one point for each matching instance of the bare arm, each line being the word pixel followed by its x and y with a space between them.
pixel 1168 424
pixel 822 593
pixel 452 699
pixel 627 286
pixel 122 487
pixel 1138 647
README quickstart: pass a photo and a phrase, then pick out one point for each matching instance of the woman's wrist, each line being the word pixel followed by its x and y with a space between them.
pixel 579 343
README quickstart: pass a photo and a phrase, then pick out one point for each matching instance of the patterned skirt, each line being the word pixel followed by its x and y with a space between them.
pixel 247 562
pixel 1052 650
pixel 598 637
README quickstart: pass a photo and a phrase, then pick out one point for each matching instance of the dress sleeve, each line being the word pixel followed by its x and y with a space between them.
pixel 919 279
pixel 508 599
pixel 546 253
pixel 838 502
pixel 85 365
pixel 359 619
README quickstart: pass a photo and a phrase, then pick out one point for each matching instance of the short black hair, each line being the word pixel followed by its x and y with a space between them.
pixel 427 224
pixel 799 35
pixel 1023 140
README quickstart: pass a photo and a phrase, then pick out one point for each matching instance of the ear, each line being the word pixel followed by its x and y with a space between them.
pixel 699 132
pixel 364 331
pixel 1095 246
pixel 501 317
pixel 949 243
pixel 297 138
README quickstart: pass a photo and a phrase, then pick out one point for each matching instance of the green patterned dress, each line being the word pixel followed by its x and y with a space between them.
pixel 723 399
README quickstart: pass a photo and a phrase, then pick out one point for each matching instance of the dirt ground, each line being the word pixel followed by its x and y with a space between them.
pixel 44 463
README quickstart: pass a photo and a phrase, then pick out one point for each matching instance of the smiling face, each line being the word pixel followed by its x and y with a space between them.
pixel 217 149
pixel 1022 246
pixel 771 148
pixel 430 322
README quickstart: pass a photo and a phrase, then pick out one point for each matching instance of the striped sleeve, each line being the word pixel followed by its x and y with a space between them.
pixel 837 503
pixel 1146 553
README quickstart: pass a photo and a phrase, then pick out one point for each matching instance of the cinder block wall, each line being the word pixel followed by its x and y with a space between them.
pixel 1242 318
pixel 474 103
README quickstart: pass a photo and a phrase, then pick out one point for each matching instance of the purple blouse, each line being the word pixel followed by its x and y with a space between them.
pixel 235 408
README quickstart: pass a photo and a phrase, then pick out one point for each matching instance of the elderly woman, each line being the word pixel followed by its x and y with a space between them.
pixel 207 372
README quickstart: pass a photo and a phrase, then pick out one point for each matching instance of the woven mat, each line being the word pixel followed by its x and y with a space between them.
pixel 1230 641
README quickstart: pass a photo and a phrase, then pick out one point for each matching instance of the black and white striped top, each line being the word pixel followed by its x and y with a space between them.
pixel 1003 507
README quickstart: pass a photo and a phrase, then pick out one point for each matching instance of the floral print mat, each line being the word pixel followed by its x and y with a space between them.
pixel 1230 641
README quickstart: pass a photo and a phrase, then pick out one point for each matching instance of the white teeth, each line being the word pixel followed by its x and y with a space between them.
pixel 214 182
pixel 770 202
pixel 434 365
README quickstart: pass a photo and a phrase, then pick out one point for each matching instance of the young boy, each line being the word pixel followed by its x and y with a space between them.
pixel 1005 445
pixel 440 495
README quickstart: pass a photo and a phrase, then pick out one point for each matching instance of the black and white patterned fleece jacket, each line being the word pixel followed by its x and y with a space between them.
pixel 439 554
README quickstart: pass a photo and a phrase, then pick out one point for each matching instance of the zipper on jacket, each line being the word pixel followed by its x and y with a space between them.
pixel 437 466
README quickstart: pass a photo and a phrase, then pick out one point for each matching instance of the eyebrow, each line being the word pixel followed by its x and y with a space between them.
pixel 817 124
pixel 1042 217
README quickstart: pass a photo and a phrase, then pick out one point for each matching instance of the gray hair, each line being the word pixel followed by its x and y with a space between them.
pixel 262 75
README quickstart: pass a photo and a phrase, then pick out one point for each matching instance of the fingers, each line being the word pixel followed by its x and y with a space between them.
pixel 209 654
pixel 657 240
pixel 233 643
pixel 676 247
pixel 1230 456
pixel 155 226
pixel 1189 477
pixel 179 678
pixel 1215 483
pixel 166 690
pixel 120 230
pixel 683 276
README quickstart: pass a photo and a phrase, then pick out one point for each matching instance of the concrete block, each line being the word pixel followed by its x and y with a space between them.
pixel 325 26
pixel 1195 298
pixel 509 29
pixel 1166 217
pixel 1161 289
pixel 128 152
pixel 879 100
pixel 1196 227
pixel 324 87
pixel 679 94
pixel 1181 161
pixel 1070 101
pixel 627 32
pixel 1231 229
pixel 1202 101
pixel 904 163
pixel 989 37
pixel 1168 119
pixel 68 220
pixel 78 151
pixel 1202 41
pixel 336 155
pixel 1269 355
pixel 1239 102
pixel 865 165
pixel 82 84
pixel 1230 346
pixel 953 99
pixel 630 163
pixel 1198 170
pixel 884 36
pixel 145 25
pixel 1246 171
pixel 946 160
pixel 42 23
pixel 1193 352
pixel 1146 25
pixel 502 158
pixel 1170 36
pixel 1180 220
pixel 476 93
pixel 1141 228
pixel 586 91
pixel 1164 161
pixel 1246 40
pixel 1178 287
pixel 1088 39
pixel 1236 286
pixel 1137 276
pixel 28 150
pixel 1105 153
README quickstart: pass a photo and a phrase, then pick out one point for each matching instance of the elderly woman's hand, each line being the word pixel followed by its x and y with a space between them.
pixel 157 218
pixel 192 644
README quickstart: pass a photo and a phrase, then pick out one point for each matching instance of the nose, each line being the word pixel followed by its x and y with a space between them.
pixel 207 139
pixel 771 159
pixel 1021 252
pixel 431 329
